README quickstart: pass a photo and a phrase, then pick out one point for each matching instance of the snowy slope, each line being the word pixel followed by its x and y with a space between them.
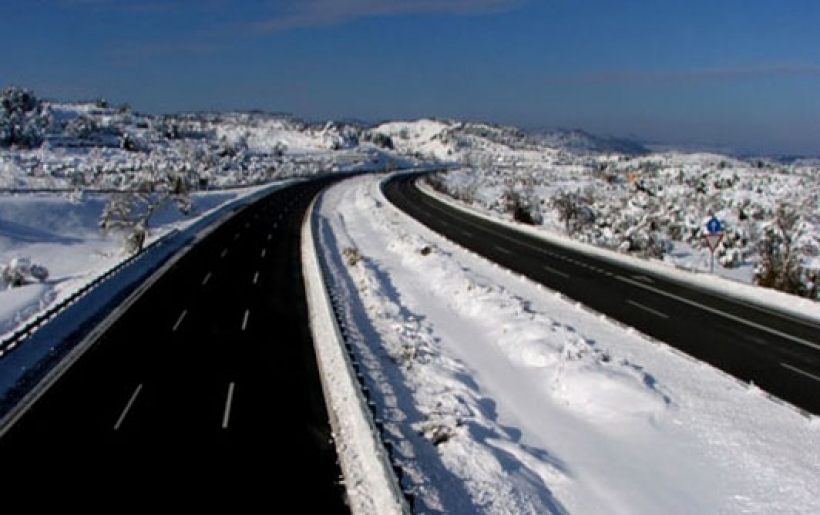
pixel 96 146
pixel 419 136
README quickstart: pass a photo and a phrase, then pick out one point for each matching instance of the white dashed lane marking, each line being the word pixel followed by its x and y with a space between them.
pixel 648 309
pixel 180 319
pixel 226 416
pixel 556 272
pixel 127 407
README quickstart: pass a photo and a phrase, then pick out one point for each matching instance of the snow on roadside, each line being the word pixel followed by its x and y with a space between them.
pixel 685 271
pixel 503 397
pixel 62 234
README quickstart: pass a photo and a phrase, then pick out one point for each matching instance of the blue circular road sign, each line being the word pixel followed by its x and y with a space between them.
pixel 714 225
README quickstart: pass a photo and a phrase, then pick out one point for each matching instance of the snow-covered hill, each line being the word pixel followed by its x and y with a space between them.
pixel 93 145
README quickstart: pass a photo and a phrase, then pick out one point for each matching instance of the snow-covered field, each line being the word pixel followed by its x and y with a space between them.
pixel 502 397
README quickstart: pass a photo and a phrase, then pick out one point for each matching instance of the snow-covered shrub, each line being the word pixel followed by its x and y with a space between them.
pixel 438 430
pixel 352 255
pixel 573 210
pixel 23 118
pixel 782 250
pixel 524 206
pixel 379 139
pixel 21 271
pixel 82 127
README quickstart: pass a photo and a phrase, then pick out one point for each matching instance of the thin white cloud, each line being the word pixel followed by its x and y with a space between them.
pixel 311 13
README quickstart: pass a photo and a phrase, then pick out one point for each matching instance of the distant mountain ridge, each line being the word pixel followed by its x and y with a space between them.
pixel 97 124
pixel 579 141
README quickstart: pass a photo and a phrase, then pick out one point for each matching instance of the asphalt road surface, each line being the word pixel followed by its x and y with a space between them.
pixel 205 391
pixel 778 352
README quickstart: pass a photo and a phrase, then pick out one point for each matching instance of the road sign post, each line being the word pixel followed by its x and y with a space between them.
pixel 713 237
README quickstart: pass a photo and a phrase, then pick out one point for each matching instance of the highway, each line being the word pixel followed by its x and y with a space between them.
pixel 776 351
pixel 206 390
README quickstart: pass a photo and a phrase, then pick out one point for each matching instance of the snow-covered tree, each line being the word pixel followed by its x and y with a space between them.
pixel 781 250
pixel 23 118
pixel 131 211
pixel 82 127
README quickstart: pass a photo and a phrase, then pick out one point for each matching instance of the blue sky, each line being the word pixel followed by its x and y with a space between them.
pixel 737 73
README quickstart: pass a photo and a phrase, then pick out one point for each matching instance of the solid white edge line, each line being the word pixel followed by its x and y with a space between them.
pixel 127 407
pixel 650 310
pixel 799 371
pixel 740 320
pixel 226 416
pixel 179 320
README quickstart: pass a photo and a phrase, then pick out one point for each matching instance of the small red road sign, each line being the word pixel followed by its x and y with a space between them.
pixel 713 239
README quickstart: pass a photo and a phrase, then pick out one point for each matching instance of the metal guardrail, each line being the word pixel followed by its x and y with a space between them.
pixel 21 334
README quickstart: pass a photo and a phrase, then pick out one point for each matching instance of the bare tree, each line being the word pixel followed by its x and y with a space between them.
pixel 131 211
pixel 572 210
pixel 780 262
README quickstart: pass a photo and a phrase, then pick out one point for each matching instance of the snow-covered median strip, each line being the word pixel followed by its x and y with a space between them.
pixel 368 482
pixel 500 396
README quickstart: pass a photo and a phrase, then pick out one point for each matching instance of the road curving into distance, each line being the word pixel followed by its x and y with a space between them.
pixel 776 351
pixel 204 393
